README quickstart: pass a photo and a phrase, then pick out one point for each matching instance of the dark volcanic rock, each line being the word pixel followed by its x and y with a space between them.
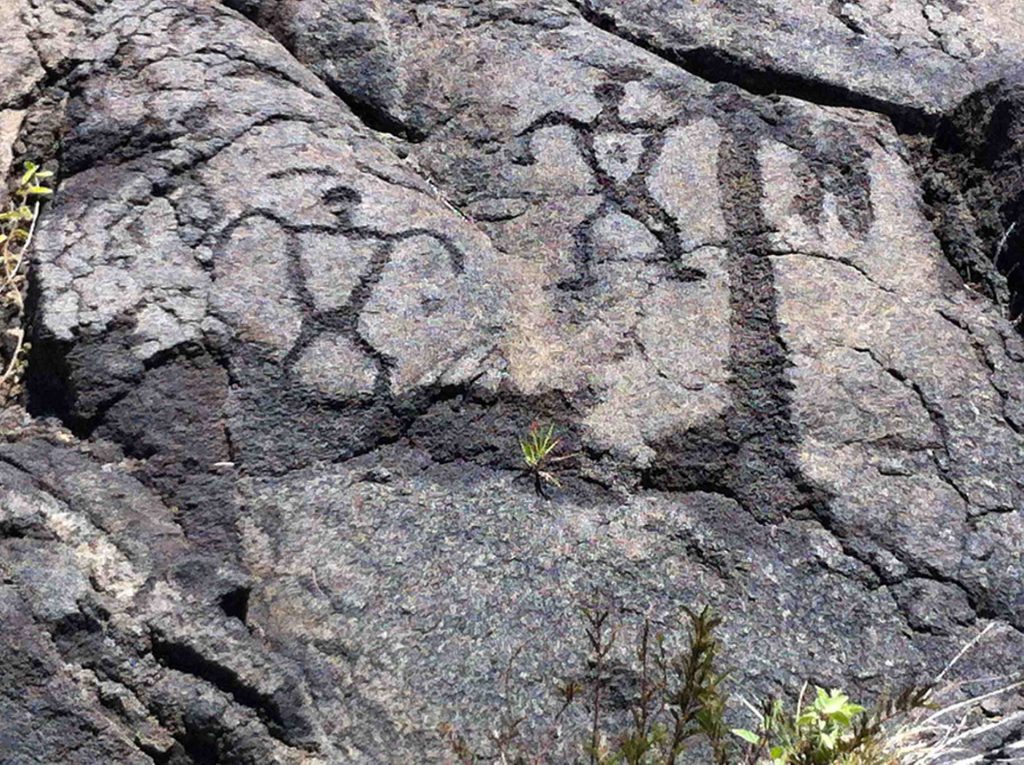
pixel 313 268
pixel 910 59
pixel 116 647
pixel 974 178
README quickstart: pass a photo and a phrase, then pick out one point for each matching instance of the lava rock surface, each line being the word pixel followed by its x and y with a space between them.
pixel 313 268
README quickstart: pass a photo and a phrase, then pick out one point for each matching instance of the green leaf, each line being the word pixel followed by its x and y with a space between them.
pixel 30 171
pixel 833 706
pixel 807 719
pixel 40 191
pixel 749 736
pixel 844 717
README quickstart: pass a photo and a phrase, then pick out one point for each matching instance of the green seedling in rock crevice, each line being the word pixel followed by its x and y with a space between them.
pixel 538 448
pixel 17 225
pixel 819 732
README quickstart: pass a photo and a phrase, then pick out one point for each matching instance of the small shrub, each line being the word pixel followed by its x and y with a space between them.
pixel 17 225
pixel 680 698
pixel 679 701
pixel 831 729
pixel 911 728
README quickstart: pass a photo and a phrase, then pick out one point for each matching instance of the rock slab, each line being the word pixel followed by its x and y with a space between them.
pixel 314 268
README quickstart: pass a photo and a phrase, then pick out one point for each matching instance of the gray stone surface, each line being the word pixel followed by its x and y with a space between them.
pixel 118 643
pixel 10 124
pixel 907 58
pixel 313 268
pixel 20 67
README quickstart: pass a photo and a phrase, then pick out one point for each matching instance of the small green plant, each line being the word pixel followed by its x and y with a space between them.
pixel 17 225
pixel 679 700
pixel 831 730
pixel 816 734
pixel 538 449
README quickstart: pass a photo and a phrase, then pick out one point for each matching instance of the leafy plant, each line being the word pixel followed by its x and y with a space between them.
pixel 679 699
pixel 538 449
pixel 17 225
pixel 816 734
pixel 832 730
pixel 601 638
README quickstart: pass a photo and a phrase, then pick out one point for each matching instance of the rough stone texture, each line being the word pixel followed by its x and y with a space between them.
pixel 122 643
pixel 10 124
pixel 974 184
pixel 314 267
pixel 909 58
pixel 20 66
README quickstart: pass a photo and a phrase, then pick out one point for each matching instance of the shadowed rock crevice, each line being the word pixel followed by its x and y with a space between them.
pixel 89 643
pixel 715 64
pixel 974 185
pixel 186 659
pixel 235 603
pixel 352 55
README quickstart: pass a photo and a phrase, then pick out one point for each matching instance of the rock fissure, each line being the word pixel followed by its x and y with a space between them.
pixel 717 65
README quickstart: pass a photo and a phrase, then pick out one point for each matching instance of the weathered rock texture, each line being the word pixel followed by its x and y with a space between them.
pixel 314 267
pixel 908 59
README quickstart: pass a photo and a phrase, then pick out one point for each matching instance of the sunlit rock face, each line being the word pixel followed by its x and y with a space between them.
pixel 313 268
pixel 907 59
